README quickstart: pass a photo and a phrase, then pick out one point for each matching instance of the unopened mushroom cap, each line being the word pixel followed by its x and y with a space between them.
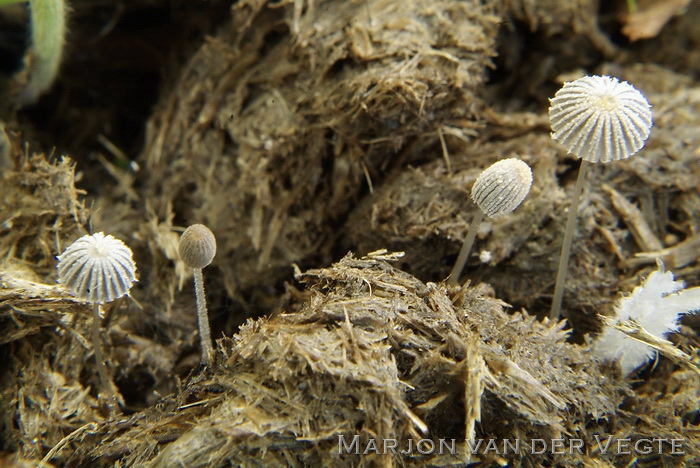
pixel 97 268
pixel 600 118
pixel 197 246
pixel 502 187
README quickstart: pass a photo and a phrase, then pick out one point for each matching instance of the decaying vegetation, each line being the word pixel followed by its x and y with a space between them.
pixel 299 132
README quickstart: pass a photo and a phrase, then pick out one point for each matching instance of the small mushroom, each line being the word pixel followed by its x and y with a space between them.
pixel 197 250
pixel 497 191
pixel 99 269
pixel 597 119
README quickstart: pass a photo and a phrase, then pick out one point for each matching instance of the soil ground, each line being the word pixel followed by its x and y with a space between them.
pixel 330 145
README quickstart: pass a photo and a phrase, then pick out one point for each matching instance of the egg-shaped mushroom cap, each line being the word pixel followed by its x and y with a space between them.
pixel 197 246
pixel 97 268
pixel 600 118
pixel 502 187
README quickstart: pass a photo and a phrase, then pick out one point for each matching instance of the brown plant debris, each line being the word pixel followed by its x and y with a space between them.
pixel 299 131
pixel 554 17
pixel 49 376
pixel 376 353
pixel 650 17
pixel 425 210
pixel 40 208
pixel 284 118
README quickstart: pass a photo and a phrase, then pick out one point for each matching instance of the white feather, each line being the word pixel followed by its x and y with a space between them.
pixel 656 305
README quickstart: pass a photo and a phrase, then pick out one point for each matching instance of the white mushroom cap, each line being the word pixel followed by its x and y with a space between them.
pixel 600 118
pixel 197 246
pixel 502 187
pixel 97 268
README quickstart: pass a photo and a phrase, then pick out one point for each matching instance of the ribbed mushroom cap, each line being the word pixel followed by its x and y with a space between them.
pixel 197 246
pixel 502 187
pixel 97 268
pixel 600 118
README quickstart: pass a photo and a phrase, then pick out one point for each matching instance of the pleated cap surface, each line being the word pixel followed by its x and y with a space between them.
pixel 600 118
pixel 98 268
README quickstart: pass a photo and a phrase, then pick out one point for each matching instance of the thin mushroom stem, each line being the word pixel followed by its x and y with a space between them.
pixel 466 248
pixel 203 318
pixel 99 357
pixel 555 311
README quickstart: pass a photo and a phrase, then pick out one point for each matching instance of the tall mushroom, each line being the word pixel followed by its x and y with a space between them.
pixel 197 249
pixel 99 269
pixel 597 119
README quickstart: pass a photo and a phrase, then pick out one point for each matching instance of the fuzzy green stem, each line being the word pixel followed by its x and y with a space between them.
pixel 466 248
pixel 48 35
pixel 99 357
pixel 10 2
pixel 555 311
pixel 204 331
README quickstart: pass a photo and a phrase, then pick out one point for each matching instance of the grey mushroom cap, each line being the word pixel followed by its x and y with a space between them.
pixel 197 246
pixel 502 187
pixel 98 268
pixel 600 118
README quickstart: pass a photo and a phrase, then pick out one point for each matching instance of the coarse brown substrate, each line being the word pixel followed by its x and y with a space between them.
pixel 299 132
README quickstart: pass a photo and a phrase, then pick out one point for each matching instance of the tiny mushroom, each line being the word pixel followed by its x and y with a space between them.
pixel 197 250
pixel 98 269
pixel 498 190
